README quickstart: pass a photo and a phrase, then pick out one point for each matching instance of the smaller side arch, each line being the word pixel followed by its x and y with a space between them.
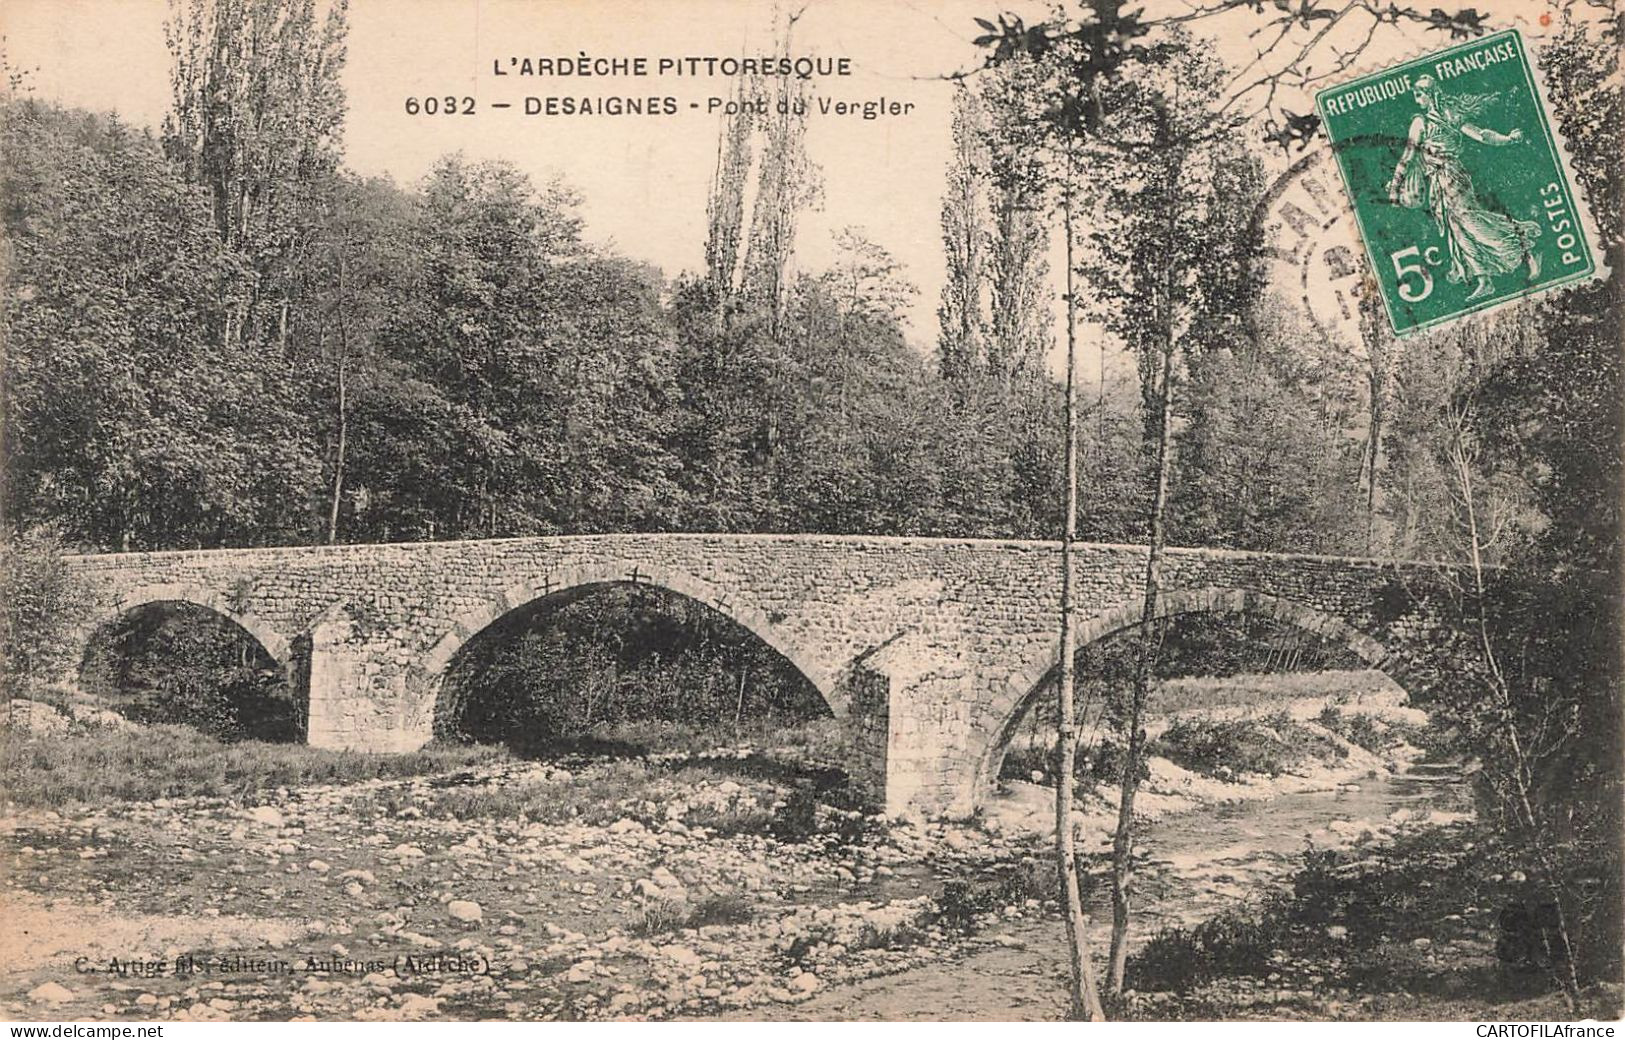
pixel 274 642
pixel 1021 685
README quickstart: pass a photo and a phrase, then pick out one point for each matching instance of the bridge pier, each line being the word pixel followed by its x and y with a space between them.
pixel 362 694
pixel 910 721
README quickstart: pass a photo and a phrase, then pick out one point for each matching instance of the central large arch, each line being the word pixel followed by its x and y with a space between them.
pixel 1026 682
pixel 564 584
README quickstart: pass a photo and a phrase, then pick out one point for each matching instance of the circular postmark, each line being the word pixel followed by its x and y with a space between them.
pixel 1310 249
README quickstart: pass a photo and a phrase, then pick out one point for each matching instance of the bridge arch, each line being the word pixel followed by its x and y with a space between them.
pixel 1026 682
pixel 566 583
pixel 275 644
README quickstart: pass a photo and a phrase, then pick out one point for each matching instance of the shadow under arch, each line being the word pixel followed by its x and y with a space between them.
pixel 1026 683
pixel 273 642
pixel 564 585
pixel 278 712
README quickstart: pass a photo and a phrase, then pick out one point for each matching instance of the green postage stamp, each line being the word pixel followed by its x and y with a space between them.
pixel 1459 182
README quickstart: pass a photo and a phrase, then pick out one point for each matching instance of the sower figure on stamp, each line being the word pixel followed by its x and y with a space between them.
pixel 1482 242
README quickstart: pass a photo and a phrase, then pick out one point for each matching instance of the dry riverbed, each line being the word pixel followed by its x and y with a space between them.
pixel 687 887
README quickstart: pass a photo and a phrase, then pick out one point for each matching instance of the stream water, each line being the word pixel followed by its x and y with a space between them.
pixel 1199 863
pixel 1203 861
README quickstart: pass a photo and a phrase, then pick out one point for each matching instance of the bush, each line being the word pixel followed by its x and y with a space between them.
pixel 963 900
pixel 41 608
pixel 897 937
pixel 1361 729
pixel 1234 942
pixel 1270 745
pixel 1095 764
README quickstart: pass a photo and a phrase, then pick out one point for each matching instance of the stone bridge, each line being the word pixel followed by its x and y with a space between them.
pixel 928 649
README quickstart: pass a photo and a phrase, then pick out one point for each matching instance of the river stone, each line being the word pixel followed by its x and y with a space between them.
pixel 50 993
pixel 418 1004
pixel 806 982
pixel 464 910
pixel 265 814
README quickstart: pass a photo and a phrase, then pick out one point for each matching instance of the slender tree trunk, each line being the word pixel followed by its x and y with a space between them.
pixel 1085 996
pixel 1123 840
pixel 338 464
pixel 342 447
pixel 1373 446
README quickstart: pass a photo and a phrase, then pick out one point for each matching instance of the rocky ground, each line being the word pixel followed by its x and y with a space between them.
pixel 735 884
pixel 369 900
pixel 462 896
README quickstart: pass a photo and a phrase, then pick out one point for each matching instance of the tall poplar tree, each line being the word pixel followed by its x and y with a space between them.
pixel 256 115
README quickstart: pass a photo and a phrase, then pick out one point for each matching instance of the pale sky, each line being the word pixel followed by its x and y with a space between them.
pixel 643 180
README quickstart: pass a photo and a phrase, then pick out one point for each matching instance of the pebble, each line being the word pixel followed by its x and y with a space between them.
pixel 418 1004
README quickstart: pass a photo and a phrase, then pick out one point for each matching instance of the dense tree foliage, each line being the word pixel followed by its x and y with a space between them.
pixel 661 658
pixel 179 663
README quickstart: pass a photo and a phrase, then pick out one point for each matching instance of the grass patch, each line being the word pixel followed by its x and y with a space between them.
pixel 819 740
pixel 902 936
pixel 100 765
pixel 732 820
pixel 1197 693
pixel 721 908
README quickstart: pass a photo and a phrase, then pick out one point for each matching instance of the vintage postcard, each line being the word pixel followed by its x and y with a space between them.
pixel 817 510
